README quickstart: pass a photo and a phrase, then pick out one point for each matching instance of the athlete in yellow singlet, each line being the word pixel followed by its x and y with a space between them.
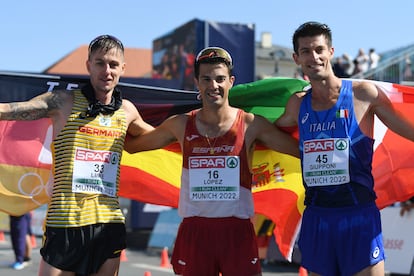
pixel 85 228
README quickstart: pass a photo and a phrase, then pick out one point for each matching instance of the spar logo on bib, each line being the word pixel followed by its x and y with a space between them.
pixel 232 162
pixel 96 156
pixel 217 162
pixel 325 145
pixel 341 144
pixel 319 145
pixel 207 162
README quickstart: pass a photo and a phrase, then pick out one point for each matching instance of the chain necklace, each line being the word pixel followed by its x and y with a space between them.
pixel 209 143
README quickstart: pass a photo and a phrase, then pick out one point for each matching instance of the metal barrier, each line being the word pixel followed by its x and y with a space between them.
pixel 395 66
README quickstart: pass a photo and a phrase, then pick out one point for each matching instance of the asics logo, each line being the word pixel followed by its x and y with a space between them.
pixel 305 118
pixel 376 252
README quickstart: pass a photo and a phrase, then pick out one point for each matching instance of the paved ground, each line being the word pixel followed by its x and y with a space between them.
pixel 135 263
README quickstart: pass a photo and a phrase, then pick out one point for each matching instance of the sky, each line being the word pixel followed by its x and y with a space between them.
pixel 36 34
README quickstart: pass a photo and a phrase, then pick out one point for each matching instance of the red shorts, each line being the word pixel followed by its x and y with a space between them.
pixel 209 246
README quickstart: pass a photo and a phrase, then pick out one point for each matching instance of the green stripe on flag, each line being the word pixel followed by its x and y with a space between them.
pixel 267 97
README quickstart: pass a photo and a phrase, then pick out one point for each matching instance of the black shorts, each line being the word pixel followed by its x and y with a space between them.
pixel 84 249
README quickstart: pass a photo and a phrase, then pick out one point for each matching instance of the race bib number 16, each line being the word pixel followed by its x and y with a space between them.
pixel 214 178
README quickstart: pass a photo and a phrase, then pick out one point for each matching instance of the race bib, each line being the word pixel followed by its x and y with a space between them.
pixel 214 178
pixel 95 172
pixel 326 162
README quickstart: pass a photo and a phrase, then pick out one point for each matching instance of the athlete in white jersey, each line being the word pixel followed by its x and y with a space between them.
pixel 215 202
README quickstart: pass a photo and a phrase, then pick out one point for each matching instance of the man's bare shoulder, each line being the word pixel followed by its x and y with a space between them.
pixel 128 106
pixel 180 119
pixel 364 90
pixel 362 85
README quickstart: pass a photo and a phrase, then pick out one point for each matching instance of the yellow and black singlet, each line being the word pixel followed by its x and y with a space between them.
pixel 86 166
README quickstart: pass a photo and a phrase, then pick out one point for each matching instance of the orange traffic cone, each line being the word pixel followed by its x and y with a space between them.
pixel 33 241
pixel 2 239
pixel 165 262
pixel 147 273
pixel 303 271
pixel 123 256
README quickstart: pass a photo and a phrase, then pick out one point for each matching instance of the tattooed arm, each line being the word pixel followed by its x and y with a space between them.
pixel 49 104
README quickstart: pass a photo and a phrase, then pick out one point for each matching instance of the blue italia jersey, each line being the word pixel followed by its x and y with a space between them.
pixel 335 154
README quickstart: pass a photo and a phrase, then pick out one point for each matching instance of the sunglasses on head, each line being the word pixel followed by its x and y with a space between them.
pixel 214 53
pixel 104 37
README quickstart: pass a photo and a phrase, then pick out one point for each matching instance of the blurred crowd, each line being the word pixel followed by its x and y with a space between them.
pixel 345 66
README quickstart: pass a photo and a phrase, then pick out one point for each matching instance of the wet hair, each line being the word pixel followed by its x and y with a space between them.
pixel 105 42
pixel 311 28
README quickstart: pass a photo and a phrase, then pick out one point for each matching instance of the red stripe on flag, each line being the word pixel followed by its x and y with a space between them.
pixel 392 166
pixel 408 92
pixel 280 205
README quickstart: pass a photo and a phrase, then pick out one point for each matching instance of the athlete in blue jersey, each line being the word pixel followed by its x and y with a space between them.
pixel 341 226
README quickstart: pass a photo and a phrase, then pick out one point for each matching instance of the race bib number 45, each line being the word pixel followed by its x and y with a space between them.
pixel 214 178
pixel 326 161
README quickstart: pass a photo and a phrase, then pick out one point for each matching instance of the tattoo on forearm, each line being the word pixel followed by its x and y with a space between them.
pixel 26 111
pixel 34 109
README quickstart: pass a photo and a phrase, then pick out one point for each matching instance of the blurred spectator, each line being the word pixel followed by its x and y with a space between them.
pixel 357 69
pixel 406 206
pixel 20 233
pixel 408 71
pixel 373 58
pixel 339 68
pixel 362 61
pixel 348 64
pixel 299 75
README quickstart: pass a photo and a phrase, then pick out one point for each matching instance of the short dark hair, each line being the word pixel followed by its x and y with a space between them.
pixel 212 55
pixel 311 28
pixel 105 42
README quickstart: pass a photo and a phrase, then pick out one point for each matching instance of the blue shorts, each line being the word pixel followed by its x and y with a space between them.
pixel 341 241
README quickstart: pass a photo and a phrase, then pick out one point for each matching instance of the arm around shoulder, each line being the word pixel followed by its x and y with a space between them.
pixel 272 137
pixel 289 117
pixel 136 124
pixel 163 135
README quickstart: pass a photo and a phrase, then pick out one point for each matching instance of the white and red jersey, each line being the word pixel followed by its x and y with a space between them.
pixel 216 180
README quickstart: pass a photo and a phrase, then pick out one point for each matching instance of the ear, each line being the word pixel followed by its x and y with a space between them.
pixel 232 79
pixel 295 58
pixel 332 51
pixel 87 63
pixel 196 84
pixel 123 68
